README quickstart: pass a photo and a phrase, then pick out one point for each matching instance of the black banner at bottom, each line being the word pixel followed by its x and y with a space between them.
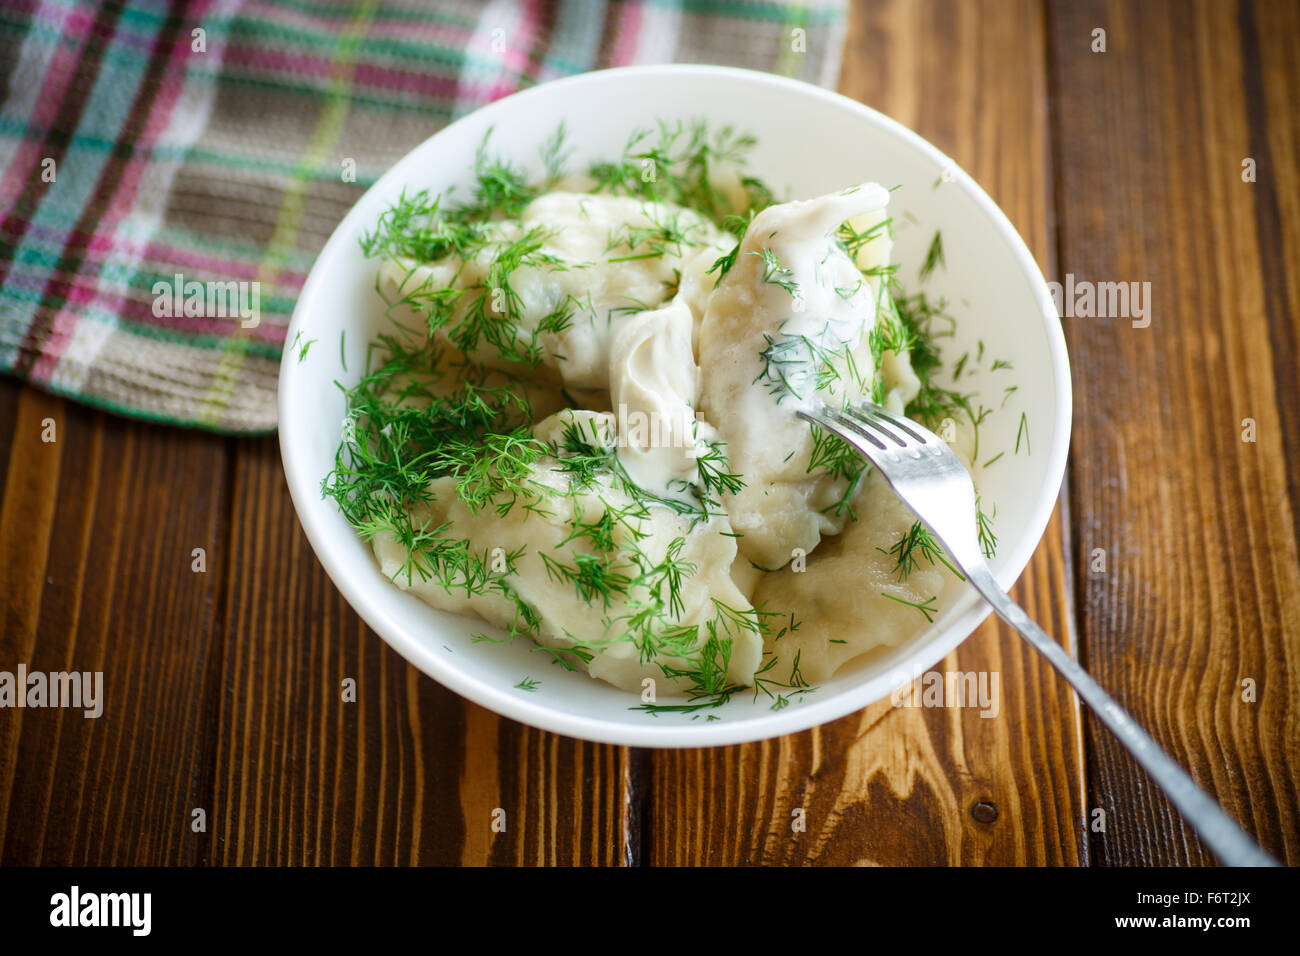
pixel 944 906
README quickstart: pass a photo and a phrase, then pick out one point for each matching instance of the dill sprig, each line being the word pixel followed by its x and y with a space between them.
pixel 708 686
pixel 418 227
pixel 593 575
pixel 933 256
pixel 984 529
pixel 917 542
pixel 679 163
pixel 774 273
pixel 928 608
pixel 669 233
pixel 841 461
pixel 494 469
pixel 852 241
pixel 1022 431
pixel 793 361
pixel 715 475
pixel 737 226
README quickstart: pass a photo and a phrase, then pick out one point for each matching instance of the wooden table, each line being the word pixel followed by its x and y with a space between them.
pixel 1117 166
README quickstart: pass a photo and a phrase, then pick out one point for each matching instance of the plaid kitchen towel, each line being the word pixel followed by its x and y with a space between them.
pixel 222 140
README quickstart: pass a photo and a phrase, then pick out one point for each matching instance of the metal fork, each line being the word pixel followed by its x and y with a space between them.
pixel 933 482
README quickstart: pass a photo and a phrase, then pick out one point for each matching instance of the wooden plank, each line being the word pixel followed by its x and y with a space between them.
pixel 1201 588
pixel 96 533
pixel 916 785
pixel 410 772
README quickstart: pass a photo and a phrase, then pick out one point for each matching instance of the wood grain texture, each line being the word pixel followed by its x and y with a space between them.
pixel 1199 526
pixel 96 531
pixel 920 785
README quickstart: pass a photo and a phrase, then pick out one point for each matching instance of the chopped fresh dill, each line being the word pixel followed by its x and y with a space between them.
pixel 529 684
pixel 555 155
pixel 928 607
pixel 836 457
pixel 984 529
pixel 737 226
pixel 917 542
pixel 853 242
pixel 795 363
pixel 795 685
pixel 1023 429
pixel 775 273
pixel 594 576
pixel 716 476
pixel 666 236
pixel 677 164
pixel 933 256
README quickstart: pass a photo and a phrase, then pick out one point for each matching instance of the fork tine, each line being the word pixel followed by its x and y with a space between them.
pixel 823 419
pixel 863 427
pixel 871 418
pixel 904 427
pixel 866 418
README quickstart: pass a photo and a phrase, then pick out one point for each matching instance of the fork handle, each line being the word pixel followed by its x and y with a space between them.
pixel 1219 832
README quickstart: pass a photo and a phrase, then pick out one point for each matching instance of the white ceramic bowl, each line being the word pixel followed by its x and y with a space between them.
pixel 809 142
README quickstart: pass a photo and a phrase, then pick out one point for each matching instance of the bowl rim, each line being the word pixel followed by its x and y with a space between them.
pixel 307 501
